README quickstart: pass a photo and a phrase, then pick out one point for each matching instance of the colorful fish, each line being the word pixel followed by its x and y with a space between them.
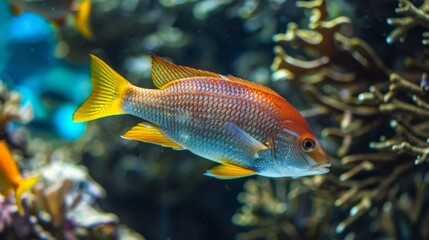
pixel 10 179
pixel 57 12
pixel 246 127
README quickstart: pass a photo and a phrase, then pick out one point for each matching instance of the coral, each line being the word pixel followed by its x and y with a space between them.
pixel 11 109
pixel 288 202
pixel 62 207
pixel 413 16
pixel 6 213
pixel 379 117
pixel 63 204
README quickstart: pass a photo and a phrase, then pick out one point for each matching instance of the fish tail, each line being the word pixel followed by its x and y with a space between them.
pixel 24 185
pixel 107 94
pixel 82 19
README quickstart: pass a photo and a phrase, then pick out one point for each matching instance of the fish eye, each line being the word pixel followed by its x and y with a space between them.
pixel 308 145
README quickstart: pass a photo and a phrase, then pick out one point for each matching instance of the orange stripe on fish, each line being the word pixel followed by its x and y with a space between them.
pixel 246 127
pixel 10 179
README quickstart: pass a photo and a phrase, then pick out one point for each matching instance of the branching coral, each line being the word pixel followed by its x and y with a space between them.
pixel 301 215
pixel 379 117
pixel 413 16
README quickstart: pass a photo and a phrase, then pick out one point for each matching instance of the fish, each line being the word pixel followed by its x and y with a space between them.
pixel 82 19
pixel 246 127
pixel 10 179
pixel 57 11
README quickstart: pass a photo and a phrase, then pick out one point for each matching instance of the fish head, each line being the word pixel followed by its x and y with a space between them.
pixel 298 152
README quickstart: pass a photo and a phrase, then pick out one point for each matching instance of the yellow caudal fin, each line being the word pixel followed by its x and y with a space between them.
pixel 82 19
pixel 24 185
pixel 108 89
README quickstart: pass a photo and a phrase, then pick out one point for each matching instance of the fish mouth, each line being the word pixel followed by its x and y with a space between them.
pixel 320 168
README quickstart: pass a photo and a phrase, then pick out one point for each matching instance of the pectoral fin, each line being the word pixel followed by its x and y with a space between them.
pixel 244 140
pixel 148 132
pixel 229 172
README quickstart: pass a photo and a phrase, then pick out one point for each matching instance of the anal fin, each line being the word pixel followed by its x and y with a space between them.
pixel 229 172
pixel 147 132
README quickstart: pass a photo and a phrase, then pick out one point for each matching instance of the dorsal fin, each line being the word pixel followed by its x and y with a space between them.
pixel 251 84
pixel 164 72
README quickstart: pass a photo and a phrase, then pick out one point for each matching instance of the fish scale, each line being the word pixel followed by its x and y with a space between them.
pixel 227 102
pixel 246 127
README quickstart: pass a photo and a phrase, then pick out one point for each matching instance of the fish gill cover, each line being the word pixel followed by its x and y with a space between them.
pixel 357 70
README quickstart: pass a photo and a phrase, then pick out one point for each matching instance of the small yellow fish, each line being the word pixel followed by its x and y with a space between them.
pixel 10 179
pixel 57 11
pixel 246 127
pixel 82 19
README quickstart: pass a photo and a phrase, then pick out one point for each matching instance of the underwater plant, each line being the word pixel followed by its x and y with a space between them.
pixel 379 119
